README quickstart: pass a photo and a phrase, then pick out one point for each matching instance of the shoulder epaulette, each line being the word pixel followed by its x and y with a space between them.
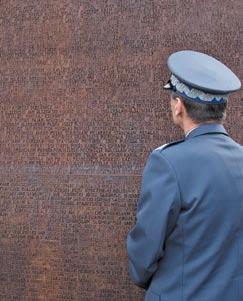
pixel 164 146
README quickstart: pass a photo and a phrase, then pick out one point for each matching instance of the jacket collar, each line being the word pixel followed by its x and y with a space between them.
pixel 210 128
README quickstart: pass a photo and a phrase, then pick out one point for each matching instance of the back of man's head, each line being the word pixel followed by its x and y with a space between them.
pixel 203 112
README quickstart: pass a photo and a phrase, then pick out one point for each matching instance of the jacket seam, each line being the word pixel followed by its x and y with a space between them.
pixel 182 226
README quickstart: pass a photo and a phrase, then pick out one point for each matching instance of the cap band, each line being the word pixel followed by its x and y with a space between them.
pixel 195 94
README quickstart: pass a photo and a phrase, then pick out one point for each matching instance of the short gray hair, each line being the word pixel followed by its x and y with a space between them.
pixel 203 112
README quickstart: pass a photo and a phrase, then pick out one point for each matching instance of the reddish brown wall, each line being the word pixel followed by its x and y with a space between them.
pixel 81 108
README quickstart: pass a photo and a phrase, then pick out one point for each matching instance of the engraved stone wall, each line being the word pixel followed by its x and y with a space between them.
pixel 81 107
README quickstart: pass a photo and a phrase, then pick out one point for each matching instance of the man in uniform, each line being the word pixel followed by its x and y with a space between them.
pixel 187 242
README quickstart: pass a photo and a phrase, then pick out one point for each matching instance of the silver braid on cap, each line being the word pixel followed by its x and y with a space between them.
pixel 196 94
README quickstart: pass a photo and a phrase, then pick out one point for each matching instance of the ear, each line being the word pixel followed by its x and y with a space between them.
pixel 179 106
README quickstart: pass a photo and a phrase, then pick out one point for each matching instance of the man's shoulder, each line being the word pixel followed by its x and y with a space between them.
pixel 169 146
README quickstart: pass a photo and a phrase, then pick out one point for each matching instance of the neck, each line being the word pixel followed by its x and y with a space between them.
pixel 189 125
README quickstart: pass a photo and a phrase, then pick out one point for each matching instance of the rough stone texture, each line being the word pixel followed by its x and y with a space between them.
pixel 81 108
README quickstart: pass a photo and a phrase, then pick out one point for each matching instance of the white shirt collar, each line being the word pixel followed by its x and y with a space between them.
pixel 191 131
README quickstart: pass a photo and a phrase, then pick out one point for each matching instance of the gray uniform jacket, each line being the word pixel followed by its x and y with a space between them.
pixel 187 243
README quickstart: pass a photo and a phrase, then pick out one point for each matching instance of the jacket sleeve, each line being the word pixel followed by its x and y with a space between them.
pixel 157 211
